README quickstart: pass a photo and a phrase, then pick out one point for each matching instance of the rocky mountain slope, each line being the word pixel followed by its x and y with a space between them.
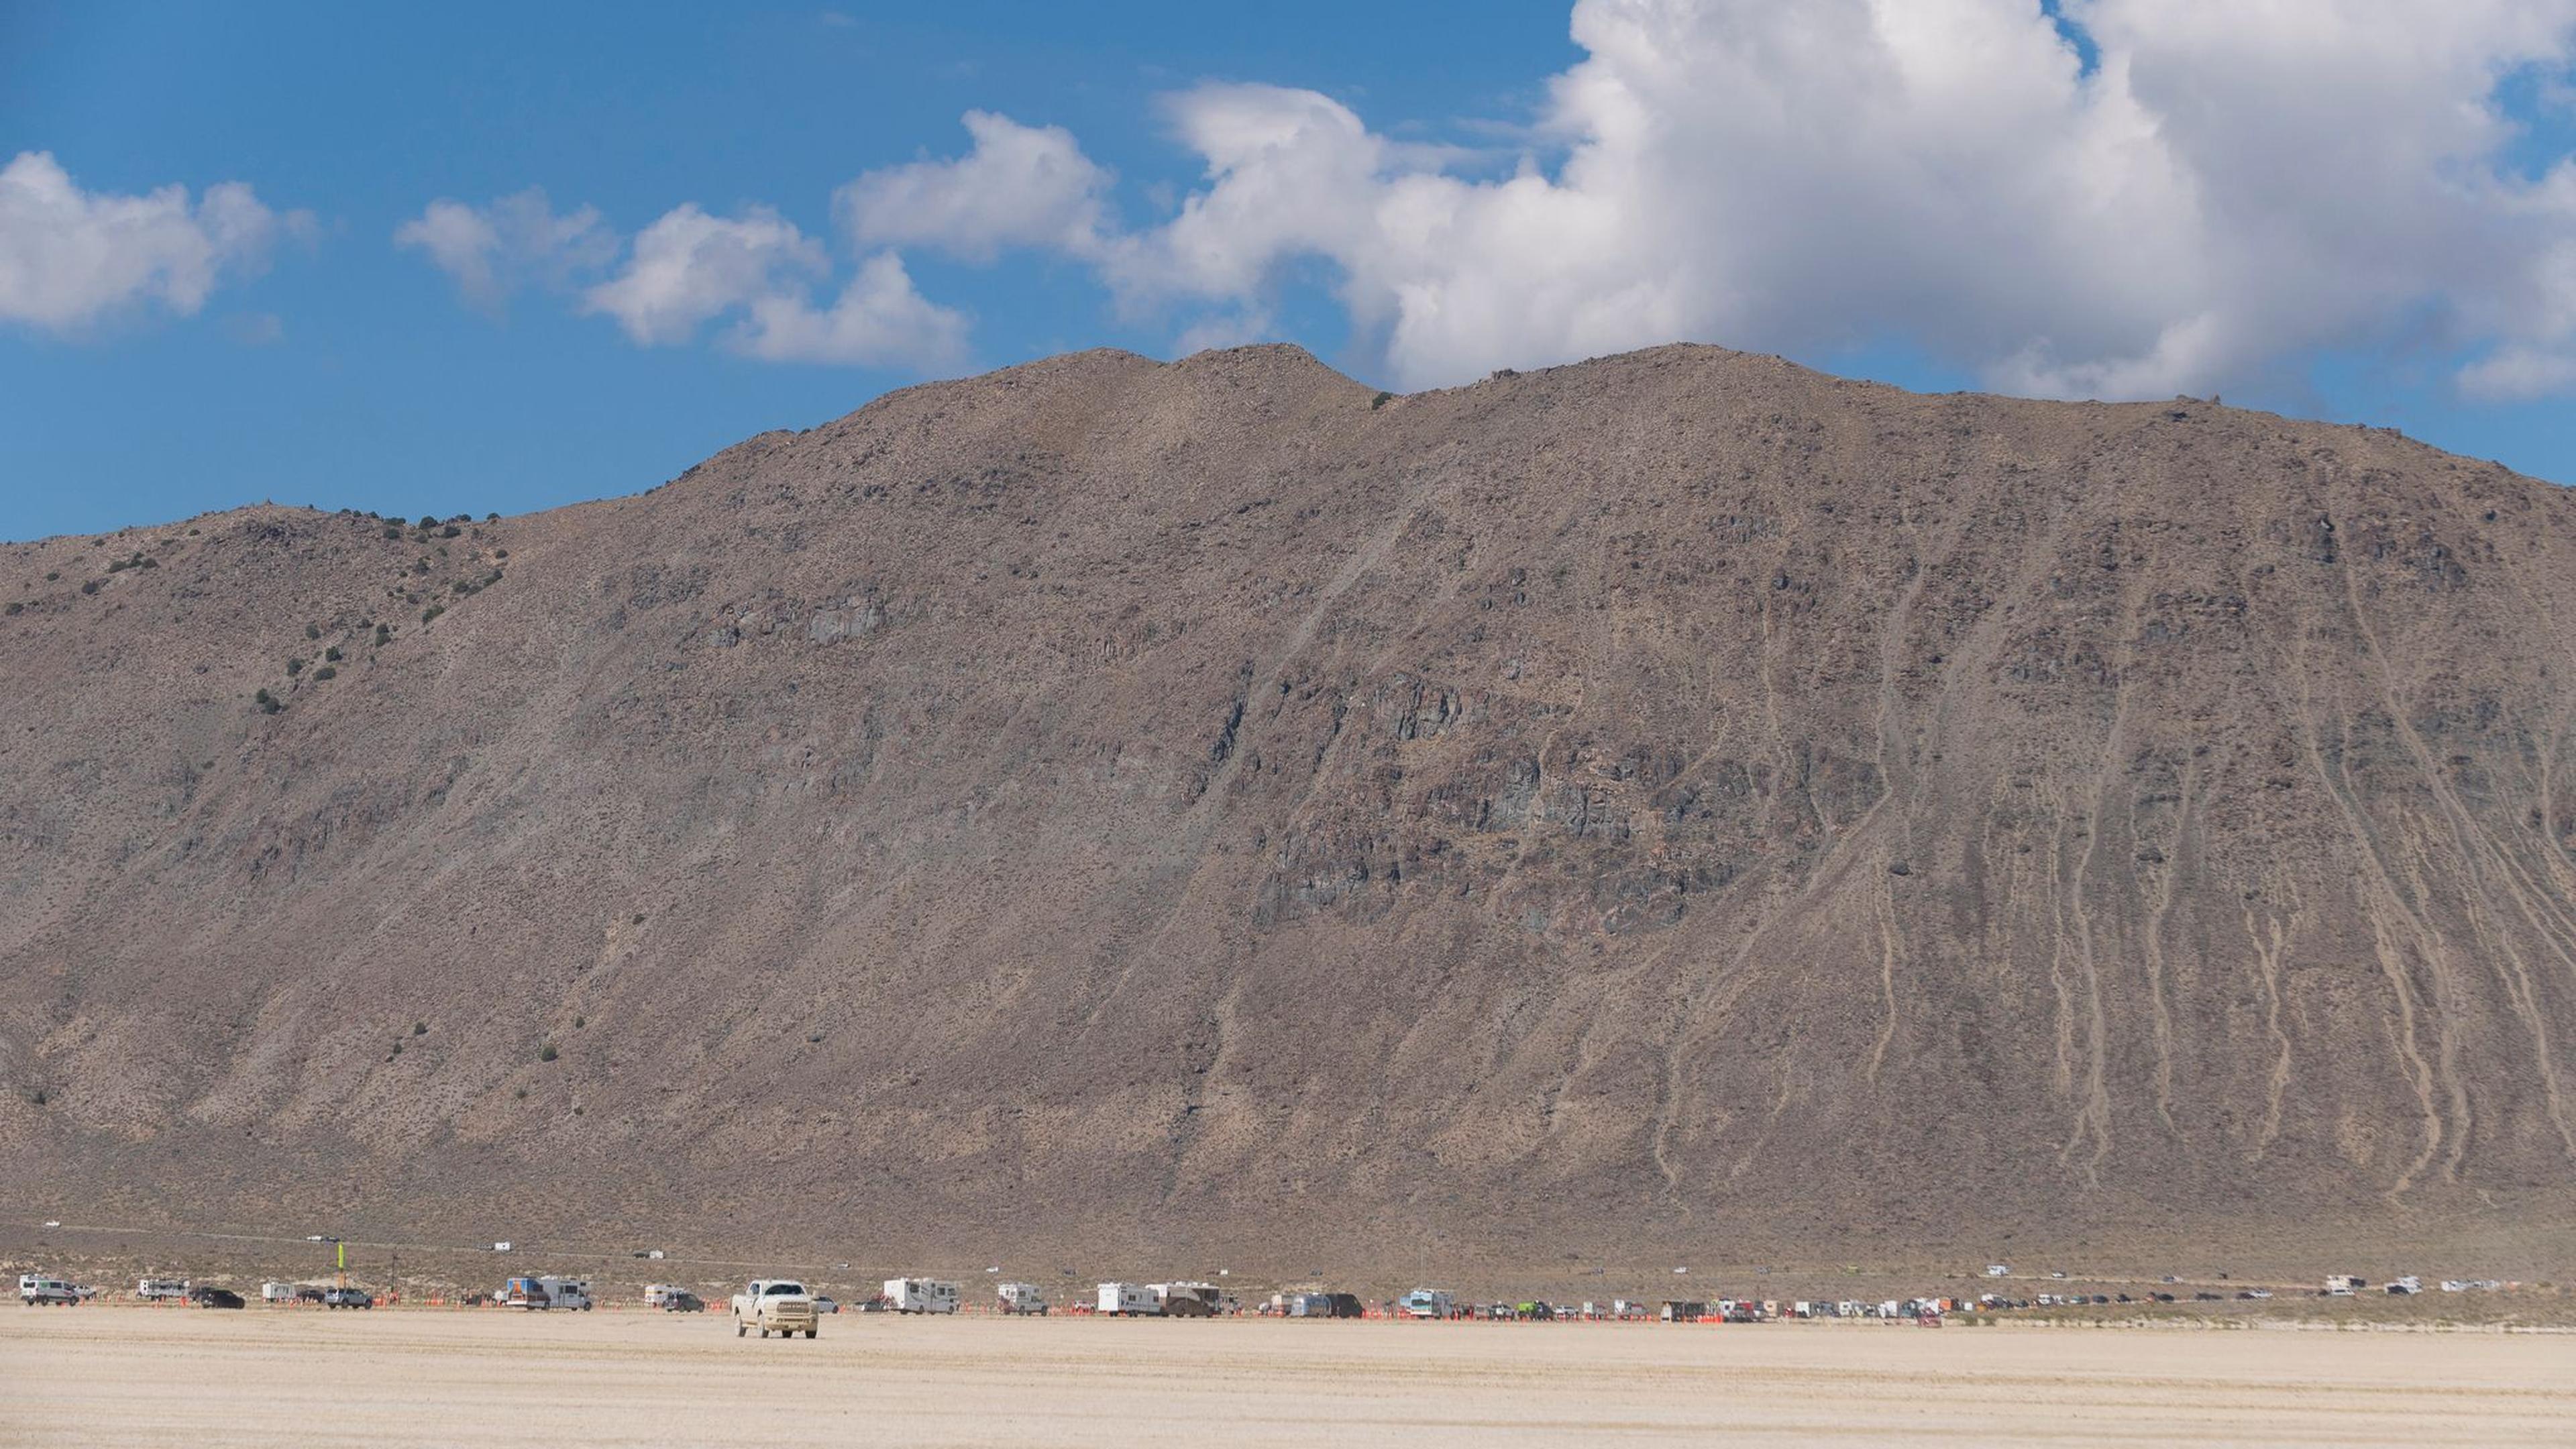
pixel 1679 802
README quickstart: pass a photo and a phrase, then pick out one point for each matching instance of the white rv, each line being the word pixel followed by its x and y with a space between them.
pixel 1427 1303
pixel 155 1290
pixel 921 1295
pixel 547 1292
pixel 1021 1298
pixel 1129 1300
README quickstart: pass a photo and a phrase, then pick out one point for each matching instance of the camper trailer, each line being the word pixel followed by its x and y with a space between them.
pixel 1188 1300
pixel 1129 1300
pixel 920 1295
pixel 1020 1298
pixel 1428 1303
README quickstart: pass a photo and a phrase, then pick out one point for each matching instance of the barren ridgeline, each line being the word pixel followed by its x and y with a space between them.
pixel 1675 804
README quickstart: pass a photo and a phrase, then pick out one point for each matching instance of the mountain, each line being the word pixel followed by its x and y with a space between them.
pixel 1674 803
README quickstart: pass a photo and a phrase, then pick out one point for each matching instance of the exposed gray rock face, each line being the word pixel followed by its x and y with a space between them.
pixel 1673 803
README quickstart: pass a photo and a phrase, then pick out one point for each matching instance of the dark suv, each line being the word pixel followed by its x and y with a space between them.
pixel 207 1295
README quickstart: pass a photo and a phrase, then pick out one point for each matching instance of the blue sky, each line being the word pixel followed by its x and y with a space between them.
pixel 338 369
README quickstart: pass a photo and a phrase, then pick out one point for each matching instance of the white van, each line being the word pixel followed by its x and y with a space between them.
pixel 38 1289
pixel 921 1295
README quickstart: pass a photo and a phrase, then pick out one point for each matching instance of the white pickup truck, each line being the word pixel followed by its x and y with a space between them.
pixel 775 1304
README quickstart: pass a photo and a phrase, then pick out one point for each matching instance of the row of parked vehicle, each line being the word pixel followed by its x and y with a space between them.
pixel 42 1290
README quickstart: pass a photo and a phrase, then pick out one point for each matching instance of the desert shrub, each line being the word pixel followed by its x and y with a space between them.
pixel 398 1048
pixel 90 588
pixel 37 1096
pixel 267 702
pixel 149 563
pixel 331 654
pixel 429 520
pixel 432 612
pixel 521 1094
pixel 312 632
pixel 547 1052
pixel 579 1022
pixel 117 566
pixel 294 667
pixel 491 518
pixel 14 607
pixel 1381 400
pixel 500 553
pixel 420 1028
pixel 450 531
pixel 326 672
pixel 53 575
pixel 392 534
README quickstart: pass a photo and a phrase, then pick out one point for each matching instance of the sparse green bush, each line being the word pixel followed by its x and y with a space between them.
pixel 432 612
pixel 326 672
pixel 14 607
pixel 149 563
pixel 267 702
pixel 547 1052
pixel 392 534
pixel 312 631
pixel 491 518
pixel 397 1047
pixel 450 531
pixel 294 667
pixel 420 1028
pixel 579 1022
pixel 428 521
pixel 496 553
pixel 384 634
pixel 331 654
pixel 521 1094
pixel 90 588
pixel 117 565
pixel 1381 400
pixel 37 1096
pixel 52 575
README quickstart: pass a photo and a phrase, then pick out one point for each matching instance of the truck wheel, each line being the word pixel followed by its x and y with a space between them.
pixel 738 1329
pixel 809 1333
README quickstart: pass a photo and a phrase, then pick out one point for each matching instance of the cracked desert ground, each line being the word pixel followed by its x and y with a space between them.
pixel 129 1376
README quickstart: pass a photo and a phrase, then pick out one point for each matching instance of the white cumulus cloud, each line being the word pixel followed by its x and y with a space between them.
pixel 69 259
pixel 689 267
pixel 879 319
pixel 492 250
pixel 1019 186
pixel 2218 187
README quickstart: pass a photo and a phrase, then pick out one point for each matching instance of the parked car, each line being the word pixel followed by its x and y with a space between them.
pixel 307 1293
pixel 681 1300
pixel 823 1304
pixel 347 1298
pixel 207 1295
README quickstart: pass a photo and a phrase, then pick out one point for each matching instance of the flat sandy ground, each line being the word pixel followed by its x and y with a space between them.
pixel 145 1376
